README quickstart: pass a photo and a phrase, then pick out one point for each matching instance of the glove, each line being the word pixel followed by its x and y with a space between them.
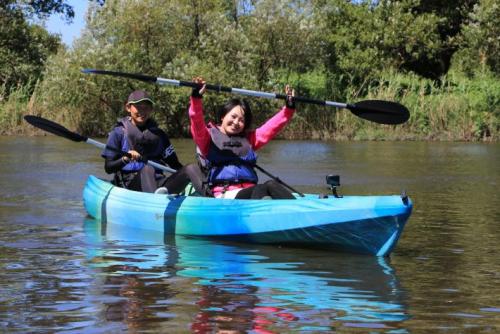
pixel 290 102
pixel 196 92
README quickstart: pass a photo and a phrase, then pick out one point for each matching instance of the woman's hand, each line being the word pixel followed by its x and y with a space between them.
pixel 290 93
pixel 198 92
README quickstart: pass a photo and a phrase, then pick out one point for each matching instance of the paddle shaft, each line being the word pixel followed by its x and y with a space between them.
pixel 217 88
pixel 168 169
pixel 59 130
pixel 149 162
pixel 378 111
pixel 277 179
pixel 247 92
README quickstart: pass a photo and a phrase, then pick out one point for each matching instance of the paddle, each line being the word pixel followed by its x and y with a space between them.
pixel 277 179
pixel 378 111
pixel 61 131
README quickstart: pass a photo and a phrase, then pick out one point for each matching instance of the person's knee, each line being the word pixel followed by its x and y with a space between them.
pixel 198 179
pixel 271 183
pixel 147 169
pixel 192 169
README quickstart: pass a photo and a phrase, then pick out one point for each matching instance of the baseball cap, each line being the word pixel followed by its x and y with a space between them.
pixel 139 96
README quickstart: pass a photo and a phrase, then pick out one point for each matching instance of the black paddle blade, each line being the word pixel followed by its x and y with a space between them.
pixel 141 77
pixel 382 112
pixel 53 128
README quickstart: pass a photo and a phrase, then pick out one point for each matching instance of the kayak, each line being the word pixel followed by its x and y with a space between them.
pixel 359 224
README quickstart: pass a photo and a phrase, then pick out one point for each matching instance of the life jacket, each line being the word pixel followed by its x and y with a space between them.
pixel 148 143
pixel 230 159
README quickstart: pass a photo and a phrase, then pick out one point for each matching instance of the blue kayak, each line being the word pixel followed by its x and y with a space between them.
pixel 360 224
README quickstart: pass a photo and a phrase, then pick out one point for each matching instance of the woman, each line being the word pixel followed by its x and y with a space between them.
pixel 139 136
pixel 229 146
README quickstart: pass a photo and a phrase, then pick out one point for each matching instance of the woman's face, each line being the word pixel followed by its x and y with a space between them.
pixel 233 122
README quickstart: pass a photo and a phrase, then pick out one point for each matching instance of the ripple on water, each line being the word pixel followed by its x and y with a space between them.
pixel 57 275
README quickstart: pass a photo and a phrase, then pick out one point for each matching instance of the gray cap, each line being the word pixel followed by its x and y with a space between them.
pixel 139 96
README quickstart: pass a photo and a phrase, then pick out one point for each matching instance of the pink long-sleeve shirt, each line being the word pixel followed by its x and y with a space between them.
pixel 257 138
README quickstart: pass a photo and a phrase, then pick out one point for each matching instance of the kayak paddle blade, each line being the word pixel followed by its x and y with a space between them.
pixel 379 111
pixel 54 128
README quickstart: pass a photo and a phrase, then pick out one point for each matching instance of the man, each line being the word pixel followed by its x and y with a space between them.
pixel 139 135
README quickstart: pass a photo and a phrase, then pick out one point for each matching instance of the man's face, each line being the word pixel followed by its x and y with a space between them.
pixel 140 112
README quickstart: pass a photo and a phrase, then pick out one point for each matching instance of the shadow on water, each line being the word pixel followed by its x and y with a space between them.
pixel 240 287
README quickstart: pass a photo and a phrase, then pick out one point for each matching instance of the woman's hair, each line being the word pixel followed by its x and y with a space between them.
pixel 229 105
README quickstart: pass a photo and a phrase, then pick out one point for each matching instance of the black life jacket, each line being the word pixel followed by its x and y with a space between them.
pixel 148 142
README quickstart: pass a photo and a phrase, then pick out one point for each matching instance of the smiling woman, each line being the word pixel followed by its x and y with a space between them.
pixel 227 148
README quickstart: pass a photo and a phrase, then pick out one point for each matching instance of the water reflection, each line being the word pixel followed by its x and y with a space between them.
pixel 220 286
pixel 52 279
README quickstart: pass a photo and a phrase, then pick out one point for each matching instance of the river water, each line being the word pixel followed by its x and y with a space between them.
pixel 61 271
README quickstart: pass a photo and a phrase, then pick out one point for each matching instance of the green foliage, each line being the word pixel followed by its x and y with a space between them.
pixel 453 15
pixel 179 40
pixel 365 40
pixel 23 50
pixel 38 8
pixel 480 40
pixel 327 49
pixel 13 109
pixel 456 109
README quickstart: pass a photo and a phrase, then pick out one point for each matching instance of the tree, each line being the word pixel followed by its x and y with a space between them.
pixel 283 40
pixel 38 8
pixel 365 38
pixel 452 16
pixel 480 39
pixel 24 45
pixel 23 50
